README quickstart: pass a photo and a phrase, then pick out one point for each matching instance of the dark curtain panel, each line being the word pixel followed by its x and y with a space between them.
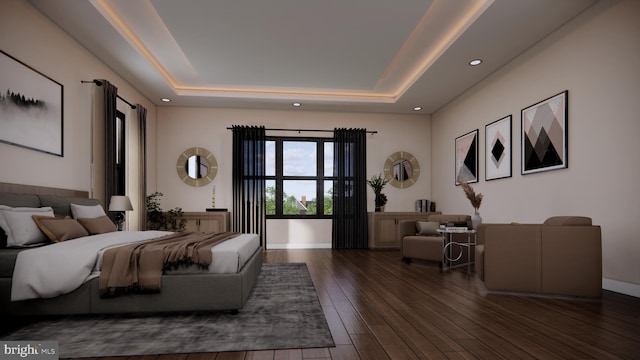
pixel 248 180
pixel 110 94
pixel 142 163
pixel 350 229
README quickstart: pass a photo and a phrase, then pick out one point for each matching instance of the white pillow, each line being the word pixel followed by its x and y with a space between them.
pixel 20 227
pixel 3 222
pixel 87 211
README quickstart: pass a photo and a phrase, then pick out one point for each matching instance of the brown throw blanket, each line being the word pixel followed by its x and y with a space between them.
pixel 138 267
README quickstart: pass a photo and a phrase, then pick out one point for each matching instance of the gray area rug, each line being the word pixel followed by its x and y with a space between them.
pixel 282 312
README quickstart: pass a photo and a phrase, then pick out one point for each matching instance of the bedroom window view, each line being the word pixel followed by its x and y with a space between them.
pixel 299 172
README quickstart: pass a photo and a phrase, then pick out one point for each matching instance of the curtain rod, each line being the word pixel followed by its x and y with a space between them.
pixel 99 83
pixel 300 130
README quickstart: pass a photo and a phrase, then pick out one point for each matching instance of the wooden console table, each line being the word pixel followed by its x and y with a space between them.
pixel 384 228
pixel 218 221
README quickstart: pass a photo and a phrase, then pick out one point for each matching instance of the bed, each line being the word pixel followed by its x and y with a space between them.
pixel 224 285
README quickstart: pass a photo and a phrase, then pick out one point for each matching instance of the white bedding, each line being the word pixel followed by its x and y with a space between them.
pixel 60 268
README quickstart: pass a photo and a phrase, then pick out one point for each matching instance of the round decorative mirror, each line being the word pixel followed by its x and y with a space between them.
pixel 197 166
pixel 401 169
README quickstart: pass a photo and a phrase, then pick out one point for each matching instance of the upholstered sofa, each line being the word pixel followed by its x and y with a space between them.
pixel 562 256
pixel 429 245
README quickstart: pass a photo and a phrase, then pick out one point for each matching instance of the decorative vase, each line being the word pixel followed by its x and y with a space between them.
pixel 382 208
pixel 476 220
pixel 377 202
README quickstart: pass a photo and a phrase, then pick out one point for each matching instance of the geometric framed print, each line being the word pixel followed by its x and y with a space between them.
pixel 544 135
pixel 497 152
pixel 466 162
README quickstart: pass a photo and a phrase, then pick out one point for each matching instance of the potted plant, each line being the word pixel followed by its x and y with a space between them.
pixel 377 183
pixel 159 220
pixel 382 201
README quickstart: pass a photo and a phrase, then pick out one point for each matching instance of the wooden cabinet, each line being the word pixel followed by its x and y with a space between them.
pixel 383 228
pixel 211 221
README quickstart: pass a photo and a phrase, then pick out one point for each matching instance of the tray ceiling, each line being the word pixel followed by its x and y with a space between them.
pixel 337 55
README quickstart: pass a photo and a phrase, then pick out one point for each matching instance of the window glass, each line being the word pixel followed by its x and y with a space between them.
pixel 299 197
pixel 328 158
pixel 270 201
pixel 270 160
pixel 328 197
pixel 299 158
pixel 119 139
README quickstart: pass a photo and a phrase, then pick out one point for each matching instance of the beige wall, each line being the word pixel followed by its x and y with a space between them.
pixel 33 39
pixel 596 58
pixel 182 128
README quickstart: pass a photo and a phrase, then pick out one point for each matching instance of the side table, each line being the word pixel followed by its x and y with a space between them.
pixel 448 244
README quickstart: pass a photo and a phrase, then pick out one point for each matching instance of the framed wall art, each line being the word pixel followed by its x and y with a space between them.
pixel 497 152
pixel 544 135
pixel 30 107
pixel 466 164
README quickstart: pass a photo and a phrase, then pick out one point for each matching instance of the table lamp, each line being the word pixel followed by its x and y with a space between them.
pixel 120 204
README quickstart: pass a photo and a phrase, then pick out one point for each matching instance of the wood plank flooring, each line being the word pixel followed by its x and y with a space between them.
pixel 378 307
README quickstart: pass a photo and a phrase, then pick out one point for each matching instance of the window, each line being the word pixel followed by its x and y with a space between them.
pixel 120 152
pixel 299 171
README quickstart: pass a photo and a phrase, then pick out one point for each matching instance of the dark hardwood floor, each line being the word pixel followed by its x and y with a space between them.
pixel 381 308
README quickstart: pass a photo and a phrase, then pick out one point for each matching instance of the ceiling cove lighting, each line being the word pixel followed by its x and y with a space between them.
pixel 475 62
pixel 417 108
pixel 395 87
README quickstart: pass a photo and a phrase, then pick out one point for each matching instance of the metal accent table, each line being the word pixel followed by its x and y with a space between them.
pixel 447 249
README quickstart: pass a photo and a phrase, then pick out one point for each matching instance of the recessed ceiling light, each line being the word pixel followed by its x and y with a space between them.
pixel 475 62
pixel 296 104
pixel 165 99
pixel 417 108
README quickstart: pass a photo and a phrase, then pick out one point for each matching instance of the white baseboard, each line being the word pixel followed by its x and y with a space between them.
pixel 621 287
pixel 299 246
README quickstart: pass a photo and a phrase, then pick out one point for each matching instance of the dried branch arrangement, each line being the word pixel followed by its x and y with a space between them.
pixel 474 198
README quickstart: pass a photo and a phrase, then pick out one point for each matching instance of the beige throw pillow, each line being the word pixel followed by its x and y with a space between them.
pixel 98 225
pixel 58 230
pixel 429 228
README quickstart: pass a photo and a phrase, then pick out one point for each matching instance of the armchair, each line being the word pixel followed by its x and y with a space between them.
pixel 562 256
pixel 427 246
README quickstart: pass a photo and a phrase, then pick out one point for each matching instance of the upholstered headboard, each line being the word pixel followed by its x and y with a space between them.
pixel 41 190
pixel 16 195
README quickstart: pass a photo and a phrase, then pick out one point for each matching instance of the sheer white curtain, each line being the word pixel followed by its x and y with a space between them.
pixel 136 167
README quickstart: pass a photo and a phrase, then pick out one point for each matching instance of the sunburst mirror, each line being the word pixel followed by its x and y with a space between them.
pixel 197 166
pixel 401 169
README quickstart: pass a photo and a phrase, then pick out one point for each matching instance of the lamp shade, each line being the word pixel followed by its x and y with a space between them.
pixel 120 203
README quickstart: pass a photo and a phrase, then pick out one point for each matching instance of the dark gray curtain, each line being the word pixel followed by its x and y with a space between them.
pixel 350 229
pixel 248 177
pixel 142 164
pixel 110 94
